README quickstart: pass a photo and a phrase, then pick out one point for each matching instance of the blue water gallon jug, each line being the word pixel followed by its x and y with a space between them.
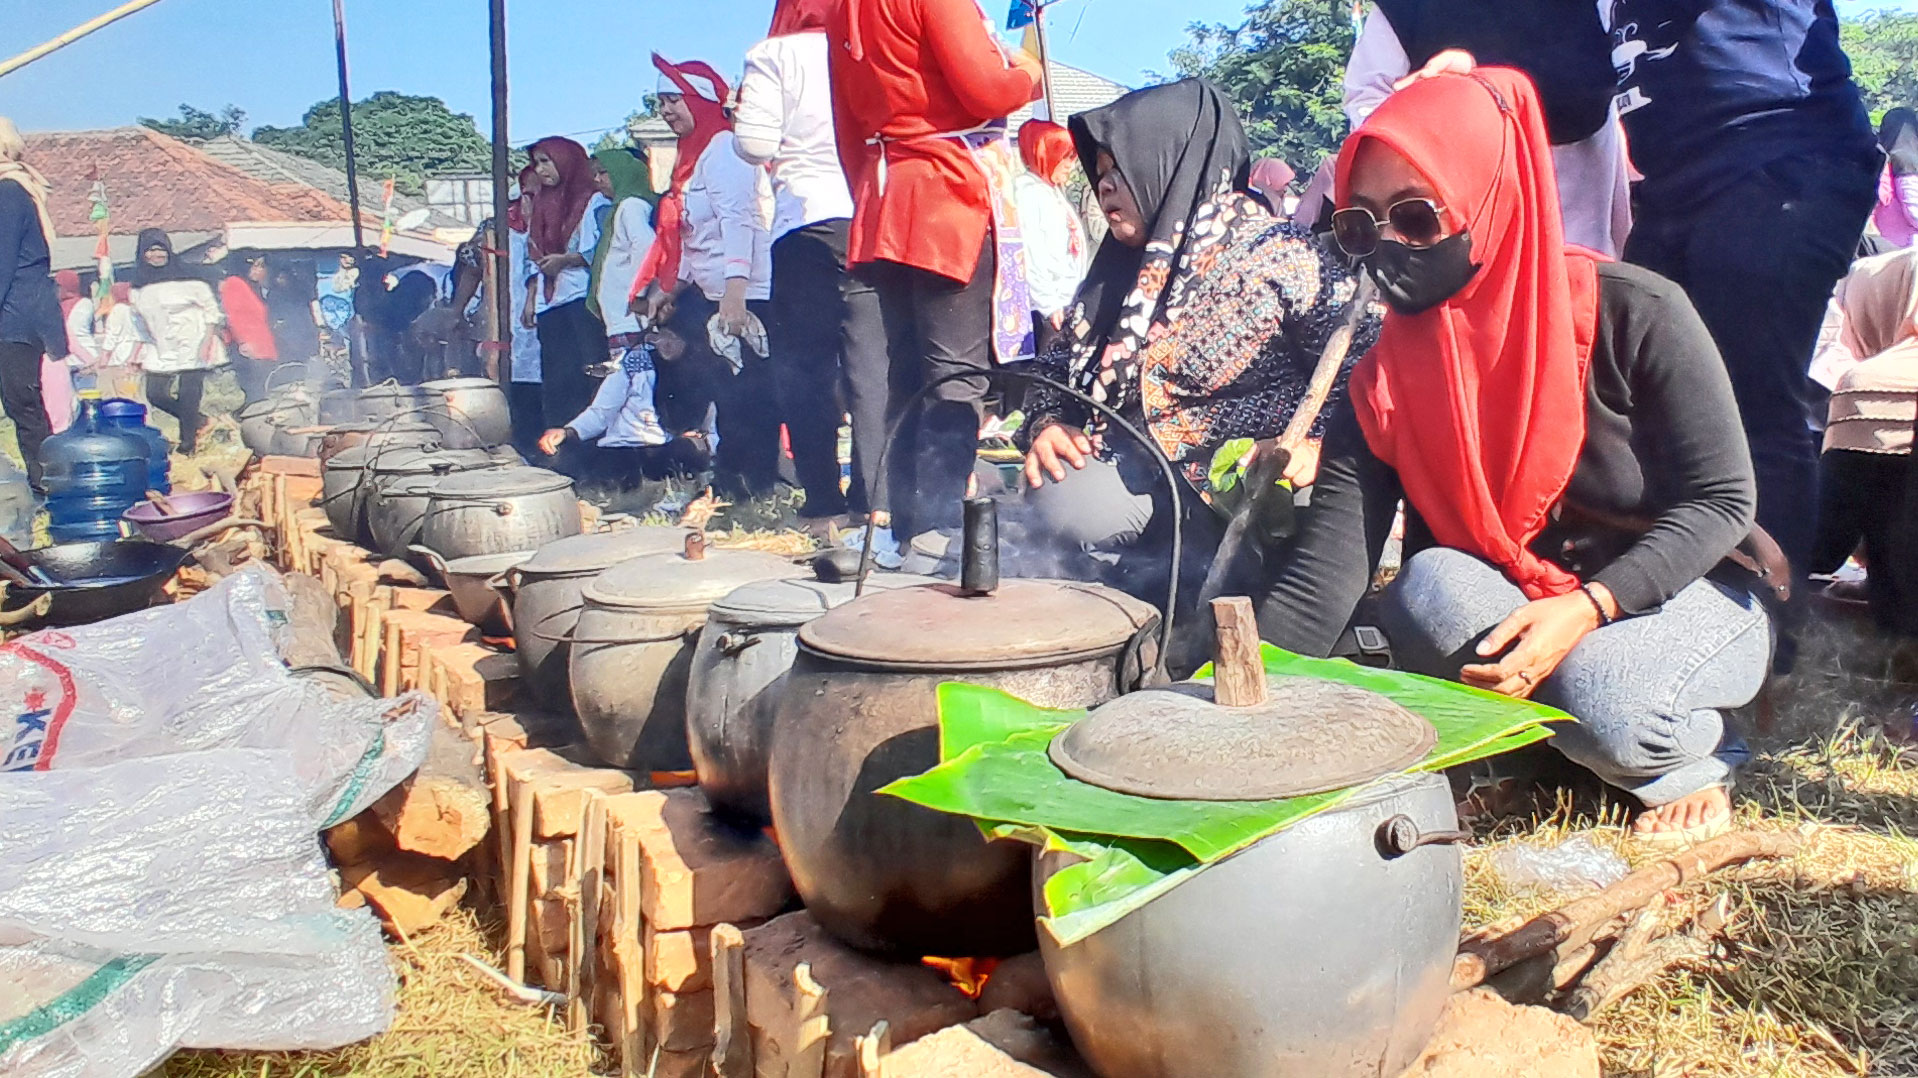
pixel 93 473
pixel 118 413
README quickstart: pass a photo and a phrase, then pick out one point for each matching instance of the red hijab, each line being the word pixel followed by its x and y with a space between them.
pixel 516 212
pixel 558 210
pixel 1479 403
pixel 1045 146
pixel 799 16
pixel 68 282
pixel 709 119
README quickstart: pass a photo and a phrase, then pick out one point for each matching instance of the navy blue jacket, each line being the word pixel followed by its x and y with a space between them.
pixel 29 303
pixel 1712 90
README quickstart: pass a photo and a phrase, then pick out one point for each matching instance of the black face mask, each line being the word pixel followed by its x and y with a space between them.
pixel 1413 280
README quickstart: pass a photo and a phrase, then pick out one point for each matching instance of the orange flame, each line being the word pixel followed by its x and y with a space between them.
pixel 968 975
pixel 668 780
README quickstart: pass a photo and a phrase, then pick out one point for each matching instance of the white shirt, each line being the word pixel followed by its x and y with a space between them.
pixel 785 118
pixel 183 319
pixel 1055 243
pixel 1594 175
pixel 526 365
pixel 80 341
pixel 572 283
pixel 725 227
pixel 623 415
pixel 630 237
pixel 122 342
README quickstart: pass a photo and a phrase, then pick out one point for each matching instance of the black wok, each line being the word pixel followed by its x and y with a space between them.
pixel 96 581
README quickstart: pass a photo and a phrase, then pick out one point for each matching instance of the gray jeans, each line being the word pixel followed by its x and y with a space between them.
pixel 1647 690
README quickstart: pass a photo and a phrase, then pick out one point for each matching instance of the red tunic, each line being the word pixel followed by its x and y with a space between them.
pixel 904 69
pixel 246 320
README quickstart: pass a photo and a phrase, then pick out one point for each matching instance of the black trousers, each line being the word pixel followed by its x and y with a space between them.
pixel 626 467
pixel 1864 502
pixel 935 326
pixel 178 395
pixel 571 339
pixel 746 464
pixel 20 396
pixel 1759 260
pixel 252 375
pixel 525 406
pixel 823 316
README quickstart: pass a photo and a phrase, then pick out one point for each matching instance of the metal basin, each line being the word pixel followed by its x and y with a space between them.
pixel 96 581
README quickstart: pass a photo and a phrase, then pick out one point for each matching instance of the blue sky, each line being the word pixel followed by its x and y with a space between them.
pixel 579 66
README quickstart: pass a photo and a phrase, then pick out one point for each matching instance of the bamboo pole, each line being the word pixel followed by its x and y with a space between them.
pixel 503 311
pixel 346 127
pixel 8 67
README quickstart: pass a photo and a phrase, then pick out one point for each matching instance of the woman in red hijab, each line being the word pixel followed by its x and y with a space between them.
pixel 562 235
pixel 1562 433
pixel 1055 234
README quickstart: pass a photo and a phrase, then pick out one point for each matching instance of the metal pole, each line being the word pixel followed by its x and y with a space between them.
pixel 1045 61
pixel 9 66
pixel 346 128
pixel 502 262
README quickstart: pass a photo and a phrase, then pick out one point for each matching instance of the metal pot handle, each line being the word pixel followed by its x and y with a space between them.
pixel 732 644
pixel 1153 675
pixel 281 368
pixel 566 638
pixel 433 558
pixel 1400 835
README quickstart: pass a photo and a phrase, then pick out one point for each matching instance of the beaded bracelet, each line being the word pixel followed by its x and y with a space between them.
pixel 1604 619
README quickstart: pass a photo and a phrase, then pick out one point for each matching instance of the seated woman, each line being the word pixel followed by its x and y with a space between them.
pixel 1200 320
pixel 1868 358
pixel 621 438
pixel 1562 432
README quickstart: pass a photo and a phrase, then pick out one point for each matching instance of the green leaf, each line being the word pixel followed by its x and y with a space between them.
pixel 1225 472
pixel 976 715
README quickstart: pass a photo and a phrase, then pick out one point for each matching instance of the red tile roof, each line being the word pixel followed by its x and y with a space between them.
pixel 154 181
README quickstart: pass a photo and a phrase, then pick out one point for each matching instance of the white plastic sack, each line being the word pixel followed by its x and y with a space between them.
pixel 163 782
pixel 199 675
pixel 173 903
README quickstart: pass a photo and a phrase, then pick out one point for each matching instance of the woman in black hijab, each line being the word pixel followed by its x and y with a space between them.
pixel 1200 321
pixel 184 318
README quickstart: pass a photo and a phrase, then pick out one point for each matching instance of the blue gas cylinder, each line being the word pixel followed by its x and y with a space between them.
pixel 93 473
pixel 118 413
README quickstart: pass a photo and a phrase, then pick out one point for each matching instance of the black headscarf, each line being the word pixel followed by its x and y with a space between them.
pixel 174 270
pixel 1898 134
pixel 1182 150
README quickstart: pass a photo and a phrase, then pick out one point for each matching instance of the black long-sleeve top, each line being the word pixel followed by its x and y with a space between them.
pixel 29 303
pixel 1663 445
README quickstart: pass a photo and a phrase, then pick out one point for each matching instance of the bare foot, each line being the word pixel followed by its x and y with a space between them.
pixel 1703 807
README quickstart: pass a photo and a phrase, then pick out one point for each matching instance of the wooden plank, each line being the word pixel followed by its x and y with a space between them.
pixel 444 809
pixel 732 1037
pixel 874 1047
pixel 1238 678
pixel 628 1035
pixel 284 466
pixel 592 880
pixel 520 806
pixel 815 1026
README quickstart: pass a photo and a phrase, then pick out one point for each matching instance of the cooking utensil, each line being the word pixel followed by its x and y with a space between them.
pixel 499 511
pixel 1240 541
pixel 476 585
pixel 181 515
pixel 95 581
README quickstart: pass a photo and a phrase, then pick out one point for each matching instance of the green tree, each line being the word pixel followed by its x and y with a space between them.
pixel 621 138
pixel 400 135
pixel 1285 67
pixel 1883 46
pixel 198 123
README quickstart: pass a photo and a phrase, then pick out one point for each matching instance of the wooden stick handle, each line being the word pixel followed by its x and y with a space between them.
pixel 1331 361
pixel 1238 677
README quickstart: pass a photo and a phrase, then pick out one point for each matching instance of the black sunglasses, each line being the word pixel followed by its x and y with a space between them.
pixel 1416 220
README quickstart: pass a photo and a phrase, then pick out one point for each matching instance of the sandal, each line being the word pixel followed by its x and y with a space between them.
pixel 1718 823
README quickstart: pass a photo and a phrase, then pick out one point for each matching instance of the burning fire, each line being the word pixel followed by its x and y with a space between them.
pixel 669 780
pixel 968 975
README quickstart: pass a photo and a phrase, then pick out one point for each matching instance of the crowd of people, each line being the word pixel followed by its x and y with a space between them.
pixel 1621 365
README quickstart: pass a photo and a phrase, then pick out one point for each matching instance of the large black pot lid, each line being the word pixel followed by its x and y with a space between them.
pixel 1310 736
pixel 490 483
pixel 783 604
pixel 675 583
pixel 596 553
pixel 425 460
pixel 940 627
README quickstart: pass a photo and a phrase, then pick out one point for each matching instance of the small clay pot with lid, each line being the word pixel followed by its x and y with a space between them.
pixel 632 649
pixel 860 709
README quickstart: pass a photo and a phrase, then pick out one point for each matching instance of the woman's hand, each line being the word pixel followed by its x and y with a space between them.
pixel 528 318
pixel 655 304
pixel 1540 633
pixel 550 442
pixel 554 265
pixel 732 307
pixel 1448 62
pixel 1052 449
pixel 1303 469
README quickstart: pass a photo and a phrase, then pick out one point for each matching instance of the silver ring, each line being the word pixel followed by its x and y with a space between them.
pixel 1525 677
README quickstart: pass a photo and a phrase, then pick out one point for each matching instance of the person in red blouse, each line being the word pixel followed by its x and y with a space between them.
pixel 910 79
pixel 249 330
